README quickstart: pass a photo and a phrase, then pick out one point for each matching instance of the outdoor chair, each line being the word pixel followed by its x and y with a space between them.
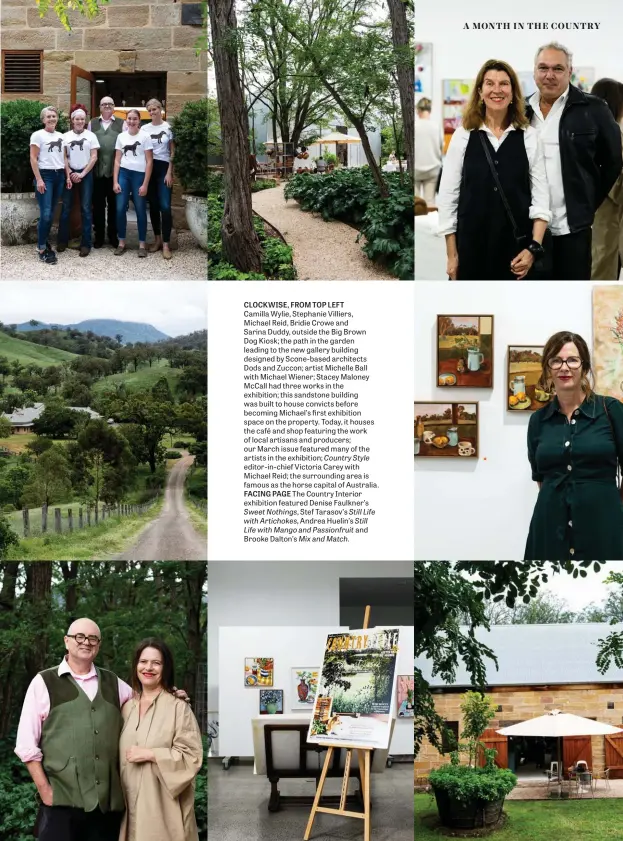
pixel 584 782
pixel 605 776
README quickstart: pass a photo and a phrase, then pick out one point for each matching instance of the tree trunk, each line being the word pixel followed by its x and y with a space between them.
pixel 241 246
pixel 406 76
pixel 70 575
pixel 37 593
pixel 194 580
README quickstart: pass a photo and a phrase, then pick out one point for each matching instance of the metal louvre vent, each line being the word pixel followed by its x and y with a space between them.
pixel 21 72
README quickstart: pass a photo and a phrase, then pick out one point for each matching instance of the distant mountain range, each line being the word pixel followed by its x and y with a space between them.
pixel 130 331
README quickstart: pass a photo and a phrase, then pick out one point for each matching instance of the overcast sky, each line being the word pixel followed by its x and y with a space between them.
pixel 176 308
pixel 579 592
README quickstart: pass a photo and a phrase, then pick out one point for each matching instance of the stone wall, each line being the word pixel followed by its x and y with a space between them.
pixel 520 703
pixel 126 36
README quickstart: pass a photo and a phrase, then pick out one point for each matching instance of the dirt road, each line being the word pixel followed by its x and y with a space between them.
pixel 171 536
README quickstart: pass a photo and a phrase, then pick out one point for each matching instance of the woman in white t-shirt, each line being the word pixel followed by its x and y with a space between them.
pixel 132 171
pixel 81 147
pixel 48 166
pixel 161 181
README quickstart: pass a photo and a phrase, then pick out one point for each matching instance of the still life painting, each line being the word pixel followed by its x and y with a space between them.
pixel 405 687
pixel 608 340
pixel 446 429
pixel 304 686
pixel 258 671
pixel 465 351
pixel 271 701
pixel 523 373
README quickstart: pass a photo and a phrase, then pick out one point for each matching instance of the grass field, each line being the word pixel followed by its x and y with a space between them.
pixel 140 380
pixel 28 352
pixel 98 543
pixel 17 523
pixel 538 820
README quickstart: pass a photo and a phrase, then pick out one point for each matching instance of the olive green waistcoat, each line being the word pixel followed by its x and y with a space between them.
pixel 107 139
pixel 80 743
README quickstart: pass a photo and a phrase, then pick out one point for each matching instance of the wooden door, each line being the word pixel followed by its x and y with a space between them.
pixel 491 739
pixel 83 89
pixel 575 748
pixel 614 755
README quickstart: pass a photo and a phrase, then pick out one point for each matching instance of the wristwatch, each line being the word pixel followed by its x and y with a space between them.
pixel 536 249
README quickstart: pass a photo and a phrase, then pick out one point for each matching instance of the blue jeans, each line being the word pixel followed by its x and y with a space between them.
pixel 159 196
pixel 130 181
pixel 54 180
pixel 85 189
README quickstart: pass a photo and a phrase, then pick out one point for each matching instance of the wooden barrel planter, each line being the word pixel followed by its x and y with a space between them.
pixel 473 814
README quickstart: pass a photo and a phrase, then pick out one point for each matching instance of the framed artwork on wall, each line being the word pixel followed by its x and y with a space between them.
pixel 522 375
pixel 271 701
pixel 446 429
pixel 304 686
pixel 258 671
pixel 423 71
pixel 405 687
pixel 456 93
pixel 608 340
pixel 465 351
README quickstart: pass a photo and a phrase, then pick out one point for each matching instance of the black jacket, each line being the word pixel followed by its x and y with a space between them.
pixel 591 157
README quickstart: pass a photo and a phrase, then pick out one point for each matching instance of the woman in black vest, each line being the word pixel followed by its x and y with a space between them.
pixel 494 198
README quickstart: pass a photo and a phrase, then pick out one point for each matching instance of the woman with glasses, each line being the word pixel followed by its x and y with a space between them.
pixel 575 448
pixel 106 128
pixel 493 197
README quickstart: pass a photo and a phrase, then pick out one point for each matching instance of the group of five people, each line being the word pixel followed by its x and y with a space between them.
pixel 107 162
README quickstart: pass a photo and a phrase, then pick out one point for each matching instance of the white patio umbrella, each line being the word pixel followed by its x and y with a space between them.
pixel 336 137
pixel 557 724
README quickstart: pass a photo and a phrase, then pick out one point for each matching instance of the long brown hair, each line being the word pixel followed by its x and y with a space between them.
pixel 552 348
pixel 474 113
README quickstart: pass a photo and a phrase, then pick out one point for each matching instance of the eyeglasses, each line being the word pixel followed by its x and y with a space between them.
pixel 107 104
pixel 543 70
pixel 573 363
pixel 81 639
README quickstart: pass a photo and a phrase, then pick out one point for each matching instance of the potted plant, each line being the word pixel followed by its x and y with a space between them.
pixel 469 797
pixel 190 128
pixel 19 118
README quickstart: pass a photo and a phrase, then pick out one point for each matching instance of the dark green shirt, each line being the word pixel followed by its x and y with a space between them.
pixel 578 514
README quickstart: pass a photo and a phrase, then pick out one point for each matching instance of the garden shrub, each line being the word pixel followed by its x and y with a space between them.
pixel 190 128
pixel 19 118
pixel 182 444
pixel 464 783
pixel 388 228
pixel 172 454
pixel 262 184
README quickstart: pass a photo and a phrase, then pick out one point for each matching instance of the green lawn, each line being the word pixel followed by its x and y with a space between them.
pixel 140 380
pixel 17 523
pixel 28 352
pixel 540 820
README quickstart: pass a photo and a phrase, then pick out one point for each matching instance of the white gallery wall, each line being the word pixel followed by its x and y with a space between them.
pixel 468 509
pixel 458 53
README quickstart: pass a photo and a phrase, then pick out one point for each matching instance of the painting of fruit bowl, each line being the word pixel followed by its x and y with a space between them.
pixel 445 429
pixel 523 374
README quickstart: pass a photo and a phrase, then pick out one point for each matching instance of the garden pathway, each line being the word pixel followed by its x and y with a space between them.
pixel 322 250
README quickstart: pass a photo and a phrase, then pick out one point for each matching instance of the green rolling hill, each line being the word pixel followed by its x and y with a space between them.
pixel 27 352
pixel 141 380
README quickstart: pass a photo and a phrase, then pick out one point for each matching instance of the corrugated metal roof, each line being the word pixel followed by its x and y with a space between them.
pixel 22 417
pixel 537 654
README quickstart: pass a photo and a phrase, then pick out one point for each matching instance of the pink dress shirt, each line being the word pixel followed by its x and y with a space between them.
pixel 37 708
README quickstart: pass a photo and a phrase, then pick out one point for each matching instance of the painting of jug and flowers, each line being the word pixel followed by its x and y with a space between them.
pixel 465 351
pixel 523 374
pixel 446 429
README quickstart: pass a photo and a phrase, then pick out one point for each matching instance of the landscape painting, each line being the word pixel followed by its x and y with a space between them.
pixel 271 701
pixel 608 340
pixel 405 687
pixel 304 686
pixel 258 671
pixel 445 430
pixel 465 351
pixel 356 691
pixel 522 375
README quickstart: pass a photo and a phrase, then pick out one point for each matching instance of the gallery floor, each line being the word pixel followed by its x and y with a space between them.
pixel 237 807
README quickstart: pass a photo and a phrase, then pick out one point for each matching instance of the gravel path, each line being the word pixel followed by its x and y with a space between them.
pixel 170 537
pixel 189 262
pixel 322 250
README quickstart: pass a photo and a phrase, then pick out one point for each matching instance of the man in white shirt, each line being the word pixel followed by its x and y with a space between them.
pixel 428 149
pixel 583 159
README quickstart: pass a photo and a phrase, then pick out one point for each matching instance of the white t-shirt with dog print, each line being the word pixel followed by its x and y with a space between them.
pixel 50 145
pixel 133 148
pixel 161 137
pixel 79 147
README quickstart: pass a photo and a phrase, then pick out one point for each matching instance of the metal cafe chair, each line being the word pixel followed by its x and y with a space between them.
pixel 584 782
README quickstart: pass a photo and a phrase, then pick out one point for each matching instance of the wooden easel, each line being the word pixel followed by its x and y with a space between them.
pixel 363 757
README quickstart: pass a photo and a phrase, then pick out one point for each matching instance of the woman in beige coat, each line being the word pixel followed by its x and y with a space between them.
pixel 160 753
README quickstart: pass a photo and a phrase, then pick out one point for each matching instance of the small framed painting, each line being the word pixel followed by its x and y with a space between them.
pixel 445 429
pixel 405 687
pixel 465 351
pixel 271 701
pixel 304 686
pixel 522 376
pixel 258 671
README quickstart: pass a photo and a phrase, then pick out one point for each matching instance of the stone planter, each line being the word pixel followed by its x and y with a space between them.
pixel 19 211
pixel 197 218
pixel 473 814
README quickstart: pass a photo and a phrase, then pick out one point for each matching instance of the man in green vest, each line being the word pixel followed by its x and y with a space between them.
pixel 106 128
pixel 68 737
